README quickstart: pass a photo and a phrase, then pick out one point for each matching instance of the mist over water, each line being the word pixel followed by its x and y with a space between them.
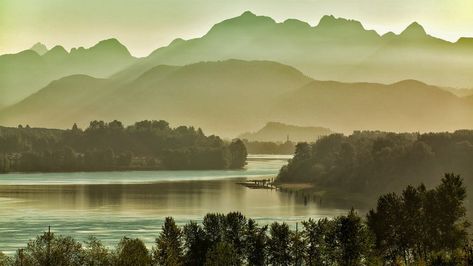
pixel 110 205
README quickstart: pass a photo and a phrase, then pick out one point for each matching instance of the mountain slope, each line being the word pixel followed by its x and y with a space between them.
pixel 233 96
pixel 403 106
pixel 223 97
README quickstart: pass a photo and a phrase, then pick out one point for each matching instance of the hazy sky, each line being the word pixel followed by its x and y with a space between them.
pixel 143 25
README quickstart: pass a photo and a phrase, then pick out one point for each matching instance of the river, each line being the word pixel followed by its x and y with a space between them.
pixel 110 205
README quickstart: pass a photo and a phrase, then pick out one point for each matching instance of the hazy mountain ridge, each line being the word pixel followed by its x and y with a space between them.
pixel 280 132
pixel 334 49
pixel 233 96
pixel 211 95
pixel 406 106
pixel 39 48
pixel 26 72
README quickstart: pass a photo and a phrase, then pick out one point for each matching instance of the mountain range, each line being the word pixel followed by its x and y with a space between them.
pixel 335 49
pixel 232 96
pixel 26 72
pixel 246 71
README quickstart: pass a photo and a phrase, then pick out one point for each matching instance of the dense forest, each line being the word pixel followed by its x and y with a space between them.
pixel 112 146
pixel 269 147
pixel 369 162
pixel 419 227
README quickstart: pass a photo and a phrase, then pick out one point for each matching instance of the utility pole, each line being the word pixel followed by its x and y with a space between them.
pixel 48 259
pixel 297 245
pixel 20 256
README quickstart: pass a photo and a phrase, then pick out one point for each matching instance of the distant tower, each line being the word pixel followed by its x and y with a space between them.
pixel 287 138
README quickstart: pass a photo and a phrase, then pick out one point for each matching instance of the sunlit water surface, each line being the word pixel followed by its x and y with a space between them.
pixel 110 205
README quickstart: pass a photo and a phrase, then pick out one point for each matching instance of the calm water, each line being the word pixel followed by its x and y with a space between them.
pixel 111 205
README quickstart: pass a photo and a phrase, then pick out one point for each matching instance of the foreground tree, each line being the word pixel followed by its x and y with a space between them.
pixel 421 224
pixel 255 243
pixel 221 254
pixel 5 260
pixel 279 245
pixel 354 240
pixel 169 244
pixel 96 254
pixel 131 251
pixel 195 244
pixel 49 249
pixel 235 228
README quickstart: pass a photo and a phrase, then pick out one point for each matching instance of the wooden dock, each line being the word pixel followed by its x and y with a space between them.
pixel 258 184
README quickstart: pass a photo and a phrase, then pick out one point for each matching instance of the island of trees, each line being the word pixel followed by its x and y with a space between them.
pixel 145 145
pixel 371 162
pixel 420 226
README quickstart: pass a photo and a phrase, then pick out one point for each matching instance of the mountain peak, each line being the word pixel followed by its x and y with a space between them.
pixel 109 43
pixel 247 14
pixel 245 21
pixel 39 48
pixel 108 46
pixel 414 30
pixel 330 21
pixel 57 50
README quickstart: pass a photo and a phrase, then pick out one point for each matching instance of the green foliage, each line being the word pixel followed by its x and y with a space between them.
pixel 353 240
pixel 169 245
pixel 371 162
pixel 49 249
pixel 131 251
pixel 401 231
pixel 111 146
pixel 222 254
pixel 278 244
pixel 255 243
pixel 96 254
pixel 195 244
pixel 238 154
pixel 420 224
pixel 5 260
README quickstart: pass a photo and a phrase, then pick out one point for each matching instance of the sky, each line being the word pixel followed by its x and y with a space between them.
pixel 144 25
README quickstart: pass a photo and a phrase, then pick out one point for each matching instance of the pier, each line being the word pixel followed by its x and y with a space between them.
pixel 258 184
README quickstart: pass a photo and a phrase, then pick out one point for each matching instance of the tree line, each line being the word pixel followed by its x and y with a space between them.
pixel 371 162
pixel 418 227
pixel 268 147
pixel 112 146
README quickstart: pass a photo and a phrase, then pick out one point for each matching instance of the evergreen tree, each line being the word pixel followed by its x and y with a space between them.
pixel 131 251
pixel 169 244
pixel 279 245
pixel 195 244
pixel 255 244
pixel 222 254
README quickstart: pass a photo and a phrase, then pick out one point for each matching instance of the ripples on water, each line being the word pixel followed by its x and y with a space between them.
pixel 110 205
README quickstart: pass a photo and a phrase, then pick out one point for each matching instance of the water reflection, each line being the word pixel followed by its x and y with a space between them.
pixel 113 210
